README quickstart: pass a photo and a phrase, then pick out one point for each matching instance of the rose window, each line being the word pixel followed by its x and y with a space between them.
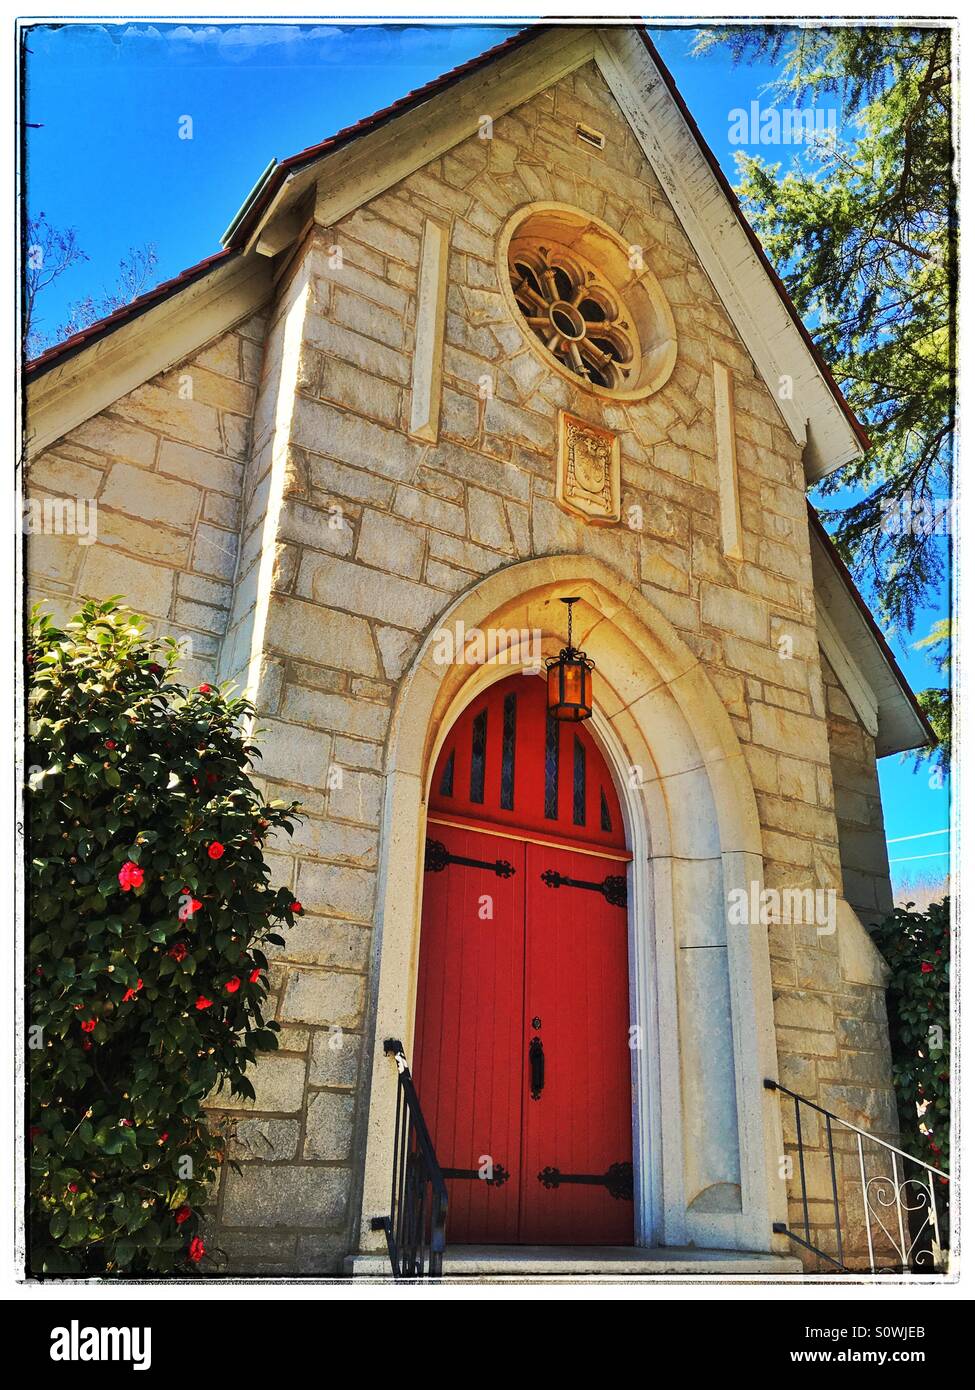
pixel 574 313
pixel 588 301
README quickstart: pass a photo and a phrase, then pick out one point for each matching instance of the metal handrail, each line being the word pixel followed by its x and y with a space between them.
pixel 416 1228
pixel 889 1195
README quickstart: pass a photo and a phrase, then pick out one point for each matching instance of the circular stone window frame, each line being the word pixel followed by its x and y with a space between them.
pixel 639 293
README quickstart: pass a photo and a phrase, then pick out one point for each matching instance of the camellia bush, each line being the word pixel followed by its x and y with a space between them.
pixel 149 911
pixel 916 946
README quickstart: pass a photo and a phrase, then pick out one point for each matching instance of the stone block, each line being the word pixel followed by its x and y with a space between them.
pixel 269 1141
pixel 295 1196
pixel 731 611
pixel 328 1126
pixel 390 544
pixel 334 1058
pixel 330 581
pixel 293 754
pixel 323 997
pixel 278 1082
pixel 320 633
pixel 337 890
pixel 146 588
pixel 361 718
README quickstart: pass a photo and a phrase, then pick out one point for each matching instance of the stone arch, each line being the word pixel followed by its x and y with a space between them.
pixel 710 1140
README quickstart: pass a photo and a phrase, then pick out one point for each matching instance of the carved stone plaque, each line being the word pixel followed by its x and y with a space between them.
pixel 588 482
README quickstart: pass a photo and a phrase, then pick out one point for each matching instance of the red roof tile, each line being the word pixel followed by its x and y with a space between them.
pixel 138 306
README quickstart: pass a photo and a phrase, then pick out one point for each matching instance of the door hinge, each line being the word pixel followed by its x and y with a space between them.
pixel 438 856
pixel 499 1174
pixel 613 887
pixel 617 1180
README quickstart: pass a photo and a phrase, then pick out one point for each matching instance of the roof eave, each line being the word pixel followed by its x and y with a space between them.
pixel 887 743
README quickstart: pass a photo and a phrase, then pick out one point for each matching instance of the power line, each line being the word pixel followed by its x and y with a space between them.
pixel 909 858
pixel 921 835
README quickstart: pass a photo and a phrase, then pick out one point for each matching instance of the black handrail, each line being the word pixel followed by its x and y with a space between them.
pixel 889 1194
pixel 416 1227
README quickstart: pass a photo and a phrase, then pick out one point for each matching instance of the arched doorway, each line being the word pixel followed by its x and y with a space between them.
pixel 707 1136
pixel 522 1035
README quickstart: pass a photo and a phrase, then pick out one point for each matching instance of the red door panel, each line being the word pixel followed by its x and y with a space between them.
pixel 498 952
pixel 577 984
pixel 504 763
pixel 468 1049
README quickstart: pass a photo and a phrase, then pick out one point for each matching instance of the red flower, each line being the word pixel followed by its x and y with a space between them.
pixel 216 850
pixel 179 951
pixel 86 1045
pixel 130 876
pixel 88 1025
pixel 131 993
pixel 233 984
pixel 926 968
pixel 197 1250
pixel 204 1003
pixel 187 910
pixel 255 975
pixel 125 1124
pixel 296 906
pixel 183 1214
pixel 109 743
pixel 204 689
pixel 164 1136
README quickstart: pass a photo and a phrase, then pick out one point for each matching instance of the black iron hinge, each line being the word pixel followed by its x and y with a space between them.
pixel 499 1174
pixel 613 887
pixel 438 856
pixel 617 1180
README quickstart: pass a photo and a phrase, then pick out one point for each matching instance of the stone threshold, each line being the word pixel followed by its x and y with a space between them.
pixel 583 1263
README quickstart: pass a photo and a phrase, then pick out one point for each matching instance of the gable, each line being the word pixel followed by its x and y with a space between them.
pixel 375 154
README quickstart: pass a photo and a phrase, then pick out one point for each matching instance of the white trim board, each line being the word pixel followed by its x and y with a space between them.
pixel 113 365
pixel 848 673
pixel 866 666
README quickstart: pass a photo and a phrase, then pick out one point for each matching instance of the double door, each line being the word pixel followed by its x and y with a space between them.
pixel 522 1041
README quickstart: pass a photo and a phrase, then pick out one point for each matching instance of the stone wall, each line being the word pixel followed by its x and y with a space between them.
pixel 859 813
pixel 165 465
pixel 355 537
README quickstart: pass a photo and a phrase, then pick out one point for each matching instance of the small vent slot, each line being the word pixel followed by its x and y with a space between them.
pixel 596 138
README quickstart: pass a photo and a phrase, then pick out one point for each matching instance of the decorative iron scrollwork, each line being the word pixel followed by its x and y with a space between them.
pixel 438 856
pixel 613 887
pixel 617 1180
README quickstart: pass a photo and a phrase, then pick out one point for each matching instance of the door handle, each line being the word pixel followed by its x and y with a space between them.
pixel 536 1066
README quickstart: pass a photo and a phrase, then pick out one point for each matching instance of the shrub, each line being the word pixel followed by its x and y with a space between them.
pixel 916 946
pixel 149 908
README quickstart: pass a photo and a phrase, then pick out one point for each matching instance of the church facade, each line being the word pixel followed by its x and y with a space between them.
pixel 507 343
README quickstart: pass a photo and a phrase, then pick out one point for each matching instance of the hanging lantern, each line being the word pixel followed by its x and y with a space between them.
pixel 570 679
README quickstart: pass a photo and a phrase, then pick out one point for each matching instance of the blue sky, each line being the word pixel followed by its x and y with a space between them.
pixel 107 159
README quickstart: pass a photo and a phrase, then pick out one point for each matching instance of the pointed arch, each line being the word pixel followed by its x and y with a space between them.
pixel 707 1168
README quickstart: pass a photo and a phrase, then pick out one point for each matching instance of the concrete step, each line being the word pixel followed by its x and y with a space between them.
pixel 582 1264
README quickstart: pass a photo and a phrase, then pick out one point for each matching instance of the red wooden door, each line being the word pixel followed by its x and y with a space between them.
pixel 521 1053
